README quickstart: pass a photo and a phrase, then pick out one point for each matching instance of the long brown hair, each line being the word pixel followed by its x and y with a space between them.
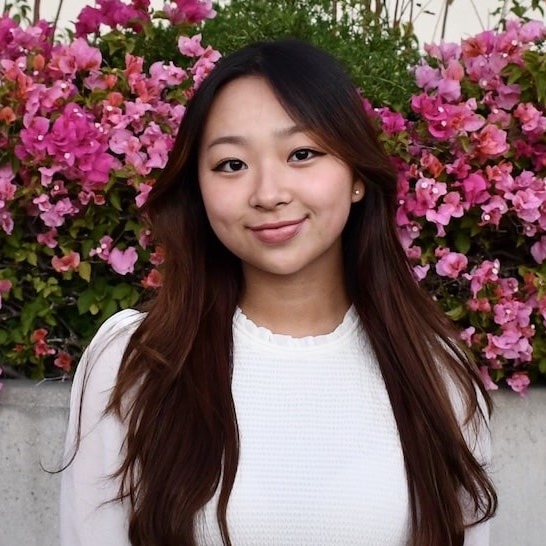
pixel 174 384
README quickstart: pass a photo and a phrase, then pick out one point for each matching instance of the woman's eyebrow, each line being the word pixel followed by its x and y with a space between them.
pixel 288 131
pixel 228 139
pixel 283 133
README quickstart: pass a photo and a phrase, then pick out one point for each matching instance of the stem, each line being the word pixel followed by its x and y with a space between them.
pixel 395 16
pixel 57 15
pixel 36 14
pixel 444 22
pixel 478 14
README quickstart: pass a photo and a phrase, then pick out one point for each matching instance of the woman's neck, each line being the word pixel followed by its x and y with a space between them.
pixel 295 306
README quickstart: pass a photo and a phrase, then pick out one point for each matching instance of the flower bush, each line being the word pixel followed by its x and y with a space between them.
pixel 85 127
pixel 82 140
pixel 472 193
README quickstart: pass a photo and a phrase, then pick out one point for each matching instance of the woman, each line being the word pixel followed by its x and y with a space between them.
pixel 290 384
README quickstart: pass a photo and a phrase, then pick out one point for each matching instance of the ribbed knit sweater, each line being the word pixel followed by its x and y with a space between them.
pixel 320 462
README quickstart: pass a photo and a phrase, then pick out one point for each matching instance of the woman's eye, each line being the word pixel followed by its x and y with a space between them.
pixel 303 154
pixel 230 166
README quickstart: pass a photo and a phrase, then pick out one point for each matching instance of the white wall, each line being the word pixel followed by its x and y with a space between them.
pixel 33 419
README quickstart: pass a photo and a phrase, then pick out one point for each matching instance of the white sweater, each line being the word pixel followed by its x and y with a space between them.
pixel 320 462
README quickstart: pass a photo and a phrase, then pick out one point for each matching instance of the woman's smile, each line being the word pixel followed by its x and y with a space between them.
pixel 279 232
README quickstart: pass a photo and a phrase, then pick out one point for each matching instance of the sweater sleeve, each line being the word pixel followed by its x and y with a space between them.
pixel 88 514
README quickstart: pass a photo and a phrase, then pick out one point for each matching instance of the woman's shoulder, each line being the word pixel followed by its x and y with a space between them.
pixel 102 357
pixel 117 329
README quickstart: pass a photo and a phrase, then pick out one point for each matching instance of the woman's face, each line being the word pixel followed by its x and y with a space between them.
pixel 273 196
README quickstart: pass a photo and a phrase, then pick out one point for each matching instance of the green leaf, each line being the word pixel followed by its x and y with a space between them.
pixel 115 200
pixel 85 301
pixel 84 271
pixel 121 291
pixel 462 242
pixel 108 310
pixel 457 313
pixel 32 258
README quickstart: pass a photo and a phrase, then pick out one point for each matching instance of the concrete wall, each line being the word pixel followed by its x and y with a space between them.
pixel 33 418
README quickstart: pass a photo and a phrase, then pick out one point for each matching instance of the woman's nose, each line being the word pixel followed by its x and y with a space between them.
pixel 270 188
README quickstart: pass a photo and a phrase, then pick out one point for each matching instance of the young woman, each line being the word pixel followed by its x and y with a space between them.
pixel 290 384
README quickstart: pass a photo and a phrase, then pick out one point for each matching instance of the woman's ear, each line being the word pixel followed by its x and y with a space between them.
pixel 358 191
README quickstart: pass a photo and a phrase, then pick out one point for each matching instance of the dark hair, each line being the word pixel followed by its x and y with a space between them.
pixel 174 384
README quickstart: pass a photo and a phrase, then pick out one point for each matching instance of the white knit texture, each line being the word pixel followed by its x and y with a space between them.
pixel 321 461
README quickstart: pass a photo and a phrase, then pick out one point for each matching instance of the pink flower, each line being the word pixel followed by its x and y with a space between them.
pixel 420 271
pixel 103 250
pixel 451 207
pixel 152 280
pixel 204 65
pixel 486 379
pixel 475 188
pixel 5 287
pixel 145 238
pixel 511 345
pixel 191 47
pixel 48 239
pixel 451 265
pixel 538 250
pixel 491 141
pixel 449 89
pixel 426 77
pixel 68 262
pixel 123 261
pixel 427 192
pixel 6 220
pixel 41 348
pixel 79 56
pixel 532 121
pixel 512 311
pixel 162 74
pixel 391 122
pixel 38 335
pixel 486 272
pixel 454 70
pixel 530 31
pixel 157 257
pixel 526 204
pixel 519 381
pixel 483 305
pixel 494 210
pixel 7 191
pixel 508 96
pixel 33 138
pixel 63 361
pixel 192 11
pixel 466 335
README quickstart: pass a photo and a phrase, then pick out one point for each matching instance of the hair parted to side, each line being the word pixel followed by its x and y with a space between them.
pixel 174 384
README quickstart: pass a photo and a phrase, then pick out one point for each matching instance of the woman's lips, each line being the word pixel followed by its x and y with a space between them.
pixel 278 232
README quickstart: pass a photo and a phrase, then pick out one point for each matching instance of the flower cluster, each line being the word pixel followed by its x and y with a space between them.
pixel 82 141
pixel 84 136
pixel 471 212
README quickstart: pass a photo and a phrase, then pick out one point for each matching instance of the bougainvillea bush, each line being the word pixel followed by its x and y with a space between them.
pixel 472 193
pixel 86 126
pixel 81 141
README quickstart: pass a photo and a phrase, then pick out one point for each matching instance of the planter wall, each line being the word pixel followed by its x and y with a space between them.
pixel 33 419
